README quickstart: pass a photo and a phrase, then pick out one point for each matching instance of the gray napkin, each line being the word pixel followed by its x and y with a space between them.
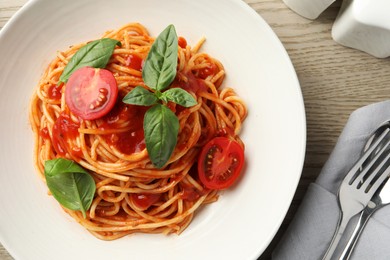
pixel 309 234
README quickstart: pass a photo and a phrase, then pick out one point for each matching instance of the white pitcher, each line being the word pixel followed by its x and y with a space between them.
pixel 364 25
pixel 310 9
pixel 360 24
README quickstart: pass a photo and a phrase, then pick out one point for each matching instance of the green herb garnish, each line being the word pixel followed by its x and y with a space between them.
pixel 71 185
pixel 95 54
pixel 161 125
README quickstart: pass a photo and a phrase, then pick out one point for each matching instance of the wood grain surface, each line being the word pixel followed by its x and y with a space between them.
pixel 335 80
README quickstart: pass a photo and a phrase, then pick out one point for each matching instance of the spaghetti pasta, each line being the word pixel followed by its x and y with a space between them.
pixel 112 149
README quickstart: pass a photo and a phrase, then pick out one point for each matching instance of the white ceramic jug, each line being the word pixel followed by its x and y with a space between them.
pixel 360 24
pixel 364 25
pixel 310 9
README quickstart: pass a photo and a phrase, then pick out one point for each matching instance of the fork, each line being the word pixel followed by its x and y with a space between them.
pixel 360 184
pixel 380 199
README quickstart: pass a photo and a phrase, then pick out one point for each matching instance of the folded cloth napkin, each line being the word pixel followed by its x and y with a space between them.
pixel 311 231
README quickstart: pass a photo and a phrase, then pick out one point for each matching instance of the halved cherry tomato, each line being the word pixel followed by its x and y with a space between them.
pixel 142 201
pixel 220 163
pixel 91 93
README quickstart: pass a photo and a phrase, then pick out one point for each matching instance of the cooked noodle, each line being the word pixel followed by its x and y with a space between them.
pixel 118 174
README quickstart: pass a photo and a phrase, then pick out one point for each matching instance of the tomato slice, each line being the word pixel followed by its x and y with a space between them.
pixel 220 163
pixel 91 93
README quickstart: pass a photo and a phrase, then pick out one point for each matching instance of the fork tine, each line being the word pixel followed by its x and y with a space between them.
pixel 384 175
pixel 362 178
pixel 353 173
pixel 368 183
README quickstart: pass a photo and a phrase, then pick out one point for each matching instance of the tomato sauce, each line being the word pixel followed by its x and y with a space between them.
pixel 44 133
pixel 211 69
pixel 190 193
pixel 143 200
pixel 55 92
pixel 182 42
pixel 65 132
pixel 192 84
pixel 226 132
pixel 132 140
pixel 105 212
pixel 135 62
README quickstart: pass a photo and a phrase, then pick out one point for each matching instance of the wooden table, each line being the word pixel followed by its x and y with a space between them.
pixel 335 80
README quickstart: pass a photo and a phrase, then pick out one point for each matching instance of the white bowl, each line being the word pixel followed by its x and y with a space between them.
pixel 244 220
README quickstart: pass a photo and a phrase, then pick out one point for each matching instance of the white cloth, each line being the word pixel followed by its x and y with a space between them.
pixel 309 234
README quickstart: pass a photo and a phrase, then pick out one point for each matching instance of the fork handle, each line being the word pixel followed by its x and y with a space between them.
pixel 341 225
pixel 364 216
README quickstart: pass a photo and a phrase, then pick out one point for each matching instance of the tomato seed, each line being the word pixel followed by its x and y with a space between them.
pixel 103 91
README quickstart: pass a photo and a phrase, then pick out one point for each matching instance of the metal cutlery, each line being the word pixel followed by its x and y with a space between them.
pixel 380 199
pixel 361 182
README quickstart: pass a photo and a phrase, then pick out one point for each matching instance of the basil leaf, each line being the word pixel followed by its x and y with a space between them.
pixel 161 127
pixel 160 65
pixel 95 54
pixel 140 96
pixel 71 185
pixel 179 96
